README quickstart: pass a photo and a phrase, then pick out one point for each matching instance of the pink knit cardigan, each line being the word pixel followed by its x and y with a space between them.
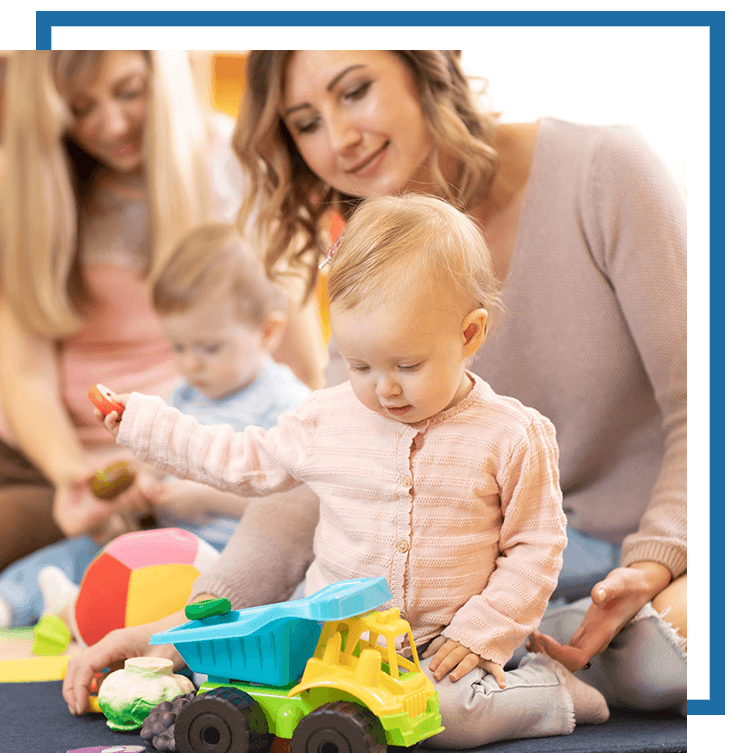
pixel 462 513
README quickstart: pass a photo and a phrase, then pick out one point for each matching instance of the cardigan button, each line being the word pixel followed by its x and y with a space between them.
pixel 407 482
pixel 403 546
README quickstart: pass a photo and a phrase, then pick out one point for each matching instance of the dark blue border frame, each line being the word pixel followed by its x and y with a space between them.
pixel 714 20
pixel 45 20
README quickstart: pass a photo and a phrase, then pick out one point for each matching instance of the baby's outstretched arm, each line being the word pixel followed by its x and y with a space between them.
pixel 458 660
pixel 252 462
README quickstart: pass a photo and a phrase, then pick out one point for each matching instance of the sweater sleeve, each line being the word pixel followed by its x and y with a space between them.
pixel 254 462
pixel 531 540
pixel 640 246
pixel 253 568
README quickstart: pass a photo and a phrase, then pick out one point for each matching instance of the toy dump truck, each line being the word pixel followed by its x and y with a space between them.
pixel 323 672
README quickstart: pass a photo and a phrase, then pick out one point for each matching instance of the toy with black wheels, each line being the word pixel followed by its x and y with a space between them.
pixel 340 727
pixel 223 720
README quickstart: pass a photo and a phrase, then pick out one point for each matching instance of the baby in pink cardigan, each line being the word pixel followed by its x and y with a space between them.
pixel 425 475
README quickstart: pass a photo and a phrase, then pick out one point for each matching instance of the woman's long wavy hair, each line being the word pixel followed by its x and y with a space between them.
pixel 45 176
pixel 286 203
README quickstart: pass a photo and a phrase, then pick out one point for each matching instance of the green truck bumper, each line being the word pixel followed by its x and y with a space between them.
pixel 401 729
pixel 284 714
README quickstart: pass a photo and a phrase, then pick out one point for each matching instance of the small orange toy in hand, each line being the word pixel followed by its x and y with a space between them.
pixel 104 399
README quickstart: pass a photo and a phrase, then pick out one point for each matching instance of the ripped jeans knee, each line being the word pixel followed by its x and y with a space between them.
pixel 643 668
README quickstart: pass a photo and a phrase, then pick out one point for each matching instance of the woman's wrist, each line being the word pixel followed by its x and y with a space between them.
pixel 656 577
pixel 202 597
pixel 68 475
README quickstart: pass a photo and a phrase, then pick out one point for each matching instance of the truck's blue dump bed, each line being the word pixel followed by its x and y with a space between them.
pixel 270 644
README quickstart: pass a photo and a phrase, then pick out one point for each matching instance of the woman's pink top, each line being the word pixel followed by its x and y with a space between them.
pixel 462 512
pixel 121 344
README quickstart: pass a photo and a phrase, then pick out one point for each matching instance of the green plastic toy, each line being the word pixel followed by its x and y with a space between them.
pixel 207 608
pixel 51 637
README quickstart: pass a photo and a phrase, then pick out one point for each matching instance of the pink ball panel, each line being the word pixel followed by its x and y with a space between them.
pixel 161 546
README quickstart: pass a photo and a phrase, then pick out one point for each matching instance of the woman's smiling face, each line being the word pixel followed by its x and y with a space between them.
pixel 110 111
pixel 356 118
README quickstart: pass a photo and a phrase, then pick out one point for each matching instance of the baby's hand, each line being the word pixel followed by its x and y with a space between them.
pixel 111 420
pixel 451 656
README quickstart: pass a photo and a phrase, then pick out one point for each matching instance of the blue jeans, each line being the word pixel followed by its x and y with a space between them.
pixel 586 561
pixel 19 581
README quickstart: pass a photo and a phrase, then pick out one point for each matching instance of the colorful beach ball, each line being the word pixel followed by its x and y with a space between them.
pixel 139 577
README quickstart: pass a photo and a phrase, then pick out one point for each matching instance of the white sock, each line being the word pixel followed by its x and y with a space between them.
pixel 57 590
pixel 6 614
pixel 589 703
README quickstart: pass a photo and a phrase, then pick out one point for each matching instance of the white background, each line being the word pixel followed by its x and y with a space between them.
pixel 644 88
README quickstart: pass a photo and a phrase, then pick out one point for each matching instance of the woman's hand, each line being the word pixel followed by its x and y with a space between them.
pixel 110 653
pixel 76 510
pixel 615 601
pixel 112 650
pixel 451 656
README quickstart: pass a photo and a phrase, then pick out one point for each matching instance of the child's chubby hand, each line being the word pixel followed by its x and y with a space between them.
pixel 451 656
pixel 112 419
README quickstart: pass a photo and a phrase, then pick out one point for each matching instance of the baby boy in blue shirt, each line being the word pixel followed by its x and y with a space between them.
pixel 223 319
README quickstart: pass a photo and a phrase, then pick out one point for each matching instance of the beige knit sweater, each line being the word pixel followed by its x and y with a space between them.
pixel 595 333
pixel 462 513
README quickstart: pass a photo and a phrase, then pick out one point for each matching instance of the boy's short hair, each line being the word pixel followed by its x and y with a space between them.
pixel 213 261
pixel 390 238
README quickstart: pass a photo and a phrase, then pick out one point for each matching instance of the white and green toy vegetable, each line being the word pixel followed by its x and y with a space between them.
pixel 128 695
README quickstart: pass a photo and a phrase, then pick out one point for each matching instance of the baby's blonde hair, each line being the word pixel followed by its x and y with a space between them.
pixel 392 238
pixel 287 202
pixel 211 262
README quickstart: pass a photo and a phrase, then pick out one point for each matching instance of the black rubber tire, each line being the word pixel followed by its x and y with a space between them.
pixel 223 720
pixel 158 729
pixel 340 727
